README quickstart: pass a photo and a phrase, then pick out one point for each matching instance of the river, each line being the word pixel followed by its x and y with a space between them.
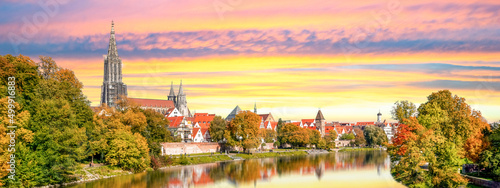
pixel 341 169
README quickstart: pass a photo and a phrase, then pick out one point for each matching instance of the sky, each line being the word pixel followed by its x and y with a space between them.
pixel 351 59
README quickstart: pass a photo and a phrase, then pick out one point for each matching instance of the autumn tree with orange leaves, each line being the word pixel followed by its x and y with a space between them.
pixel 443 132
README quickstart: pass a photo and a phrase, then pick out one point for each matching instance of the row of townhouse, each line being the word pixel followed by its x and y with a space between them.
pixel 191 129
pixel 342 128
pixel 195 128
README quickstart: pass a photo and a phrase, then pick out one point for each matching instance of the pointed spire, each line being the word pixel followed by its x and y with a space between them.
pixel 255 108
pixel 181 91
pixel 320 116
pixel 172 93
pixel 112 51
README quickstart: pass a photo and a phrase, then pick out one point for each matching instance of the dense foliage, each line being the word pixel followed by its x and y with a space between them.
pixel 57 130
pixel 374 135
pixel 217 128
pixel 243 131
pixel 359 139
pixel 490 158
pixel 348 136
pixel 443 133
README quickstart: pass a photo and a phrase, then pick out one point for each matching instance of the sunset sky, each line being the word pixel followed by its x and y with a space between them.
pixel 348 58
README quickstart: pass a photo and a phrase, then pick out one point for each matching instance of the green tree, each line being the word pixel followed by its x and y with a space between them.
pixel 268 135
pixel 156 131
pixel 243 130
pixel 490 159
pixel 217 128
pixel 374 135
pixel 348 136
pixel 329 140
pixel 278 129
pixel 314 137
pixel 445 131
pixel 129 151
pixel 403 110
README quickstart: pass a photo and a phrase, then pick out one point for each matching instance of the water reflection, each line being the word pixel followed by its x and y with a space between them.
pixel 349 169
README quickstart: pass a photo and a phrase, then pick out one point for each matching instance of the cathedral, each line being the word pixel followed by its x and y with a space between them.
pixel 179 100
pixel 113 88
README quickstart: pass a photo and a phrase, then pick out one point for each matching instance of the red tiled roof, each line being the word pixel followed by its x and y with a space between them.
pixel 296 123
pixel 365 123
pixel 195 131
pixel 203 119
pixel 169 111
pixel 328 129
pixel 307 121
pixel 175 121
pixel 263 117
pixel 154 102
pixel 200 114
pixel 204 131
pixel 273 125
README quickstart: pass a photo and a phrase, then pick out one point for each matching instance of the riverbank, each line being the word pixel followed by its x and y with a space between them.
pixel 270 154
pixel 87 174
pixel 360 149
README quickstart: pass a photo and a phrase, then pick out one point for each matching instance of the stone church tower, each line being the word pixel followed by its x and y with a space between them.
pixel 112 86
pixel 171 96
pixel 320 123
pixel 181 104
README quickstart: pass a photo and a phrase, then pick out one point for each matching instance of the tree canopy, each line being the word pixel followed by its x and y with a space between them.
pixel 57 130
pixel 443 132
pixel 294 135
pixel 243 130
pixel 403 110
pixel 374 135
pixel 217 128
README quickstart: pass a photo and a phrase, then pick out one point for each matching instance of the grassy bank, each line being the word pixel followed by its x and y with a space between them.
pixel 359 149
pixel 91 173
pixel 197 160
pixel 270 154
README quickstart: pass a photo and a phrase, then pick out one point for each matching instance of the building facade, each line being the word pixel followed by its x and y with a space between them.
pixel 112 88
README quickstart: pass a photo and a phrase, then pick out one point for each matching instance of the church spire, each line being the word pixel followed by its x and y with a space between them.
pixel 171 96
pixel 255 108
pixel 112 51
pixel 172 93
pixel 181 91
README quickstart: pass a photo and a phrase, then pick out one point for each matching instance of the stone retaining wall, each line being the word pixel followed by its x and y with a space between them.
pixel 482 182
pixel 178 148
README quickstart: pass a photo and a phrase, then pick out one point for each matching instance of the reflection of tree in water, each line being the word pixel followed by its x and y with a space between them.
pixel 362 158
pixel 246 171
pixel 250 171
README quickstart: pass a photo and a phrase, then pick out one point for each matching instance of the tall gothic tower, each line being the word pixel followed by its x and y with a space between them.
pixel 112 86
pixel 171 96
pixel 320 123
pixel 181 104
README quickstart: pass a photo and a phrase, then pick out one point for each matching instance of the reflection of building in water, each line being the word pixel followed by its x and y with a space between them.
pixel 192 176
pixel 241 173
pixel 320 170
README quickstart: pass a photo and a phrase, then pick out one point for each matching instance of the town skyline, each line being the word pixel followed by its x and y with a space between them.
pixel 328 59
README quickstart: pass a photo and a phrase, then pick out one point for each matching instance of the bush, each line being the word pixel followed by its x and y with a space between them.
pixel 183 161
pixel 155 163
